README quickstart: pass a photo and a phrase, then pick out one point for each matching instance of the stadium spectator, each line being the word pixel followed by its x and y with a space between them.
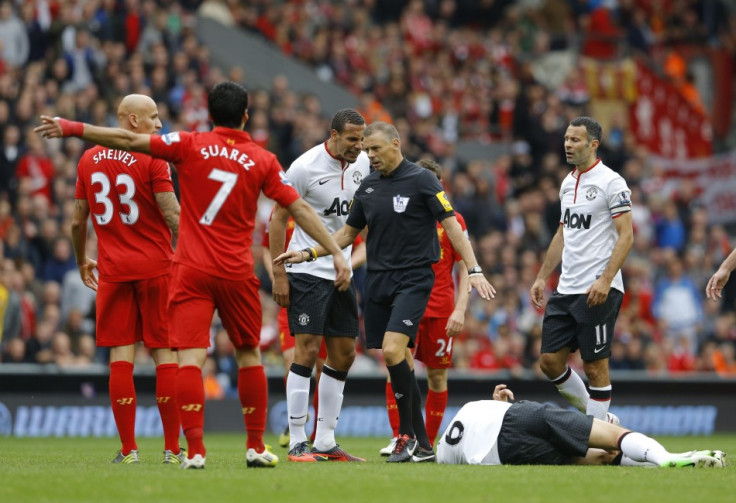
pixel 14 44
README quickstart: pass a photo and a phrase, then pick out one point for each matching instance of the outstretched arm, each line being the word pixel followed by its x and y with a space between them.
pixel 118 138
pixel 307 219
pixel 79 242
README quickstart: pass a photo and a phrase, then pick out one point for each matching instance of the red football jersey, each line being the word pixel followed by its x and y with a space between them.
pixel 221 175
pixel 442 300
pixel 133 240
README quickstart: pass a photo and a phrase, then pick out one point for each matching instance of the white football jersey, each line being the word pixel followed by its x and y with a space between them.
pixel 327 184
pixel 471 437
pixel 590 201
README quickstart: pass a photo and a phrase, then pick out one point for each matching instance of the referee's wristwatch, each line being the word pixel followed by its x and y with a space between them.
pixel 475 270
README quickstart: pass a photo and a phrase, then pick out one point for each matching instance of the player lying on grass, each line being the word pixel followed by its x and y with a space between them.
pixel 496 432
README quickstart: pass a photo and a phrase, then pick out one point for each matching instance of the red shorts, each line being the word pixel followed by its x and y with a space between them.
pixel 194 297
pixel 133 311
pixel 434 346
pixel 286 340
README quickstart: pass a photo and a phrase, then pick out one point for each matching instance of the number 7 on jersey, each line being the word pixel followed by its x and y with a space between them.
pixel 228 181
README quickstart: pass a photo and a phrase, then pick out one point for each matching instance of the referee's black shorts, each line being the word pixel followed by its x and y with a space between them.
pixel 569 321
pixel 395 302
pixel 535 433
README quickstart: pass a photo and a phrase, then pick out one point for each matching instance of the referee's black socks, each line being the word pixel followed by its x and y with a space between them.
pixel 403 385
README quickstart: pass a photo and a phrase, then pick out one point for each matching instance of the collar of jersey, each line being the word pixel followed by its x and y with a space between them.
pixel 401 166
pixel 226 131
pixel 576 173
pixel 343 163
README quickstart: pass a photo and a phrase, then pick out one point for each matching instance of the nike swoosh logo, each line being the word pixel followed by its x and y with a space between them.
pixel 598 350
pixel 297 417
pixel 322 182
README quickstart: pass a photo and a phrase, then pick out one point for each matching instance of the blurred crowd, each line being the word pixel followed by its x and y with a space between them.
pixel 442 71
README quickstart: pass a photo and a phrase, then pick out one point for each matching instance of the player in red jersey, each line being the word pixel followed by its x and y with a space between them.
pixel 221 175
pixel 134 212
pixel 443 319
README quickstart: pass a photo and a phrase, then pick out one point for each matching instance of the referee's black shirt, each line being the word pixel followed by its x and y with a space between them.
pixel 401 211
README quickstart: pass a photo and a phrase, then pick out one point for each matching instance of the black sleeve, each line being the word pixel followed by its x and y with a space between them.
pixel 435 197
pixel 356 217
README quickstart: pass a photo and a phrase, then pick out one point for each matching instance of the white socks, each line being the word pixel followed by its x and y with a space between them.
pixel 641 448
pixel 599 401
pixel 330 403
pixel 572 387
pixel 297 405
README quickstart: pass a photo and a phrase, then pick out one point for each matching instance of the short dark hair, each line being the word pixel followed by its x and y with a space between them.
pixel 227 103
pixel 432 166
pixel 344 117
pixel 389 131
pixel 592 126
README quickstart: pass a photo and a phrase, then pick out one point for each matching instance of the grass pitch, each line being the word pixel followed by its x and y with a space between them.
pixel 78 470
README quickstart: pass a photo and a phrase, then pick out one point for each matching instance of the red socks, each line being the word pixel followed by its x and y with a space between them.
pixel 253 393
pixel 434 411
pixel 190 400
pixel 166 399
pixel 393 411
pixel 122 399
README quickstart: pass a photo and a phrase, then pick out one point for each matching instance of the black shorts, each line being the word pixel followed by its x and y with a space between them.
pixel 542 434
pixel 316 307
pixel 568 321
pixel 395 302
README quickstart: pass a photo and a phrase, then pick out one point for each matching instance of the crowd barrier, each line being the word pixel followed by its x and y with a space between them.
pixel 55 403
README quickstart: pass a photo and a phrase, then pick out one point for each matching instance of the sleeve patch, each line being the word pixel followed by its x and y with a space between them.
pixel 171 138
pixel 442 198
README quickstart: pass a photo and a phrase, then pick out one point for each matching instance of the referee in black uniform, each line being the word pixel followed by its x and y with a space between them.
pixel 400 204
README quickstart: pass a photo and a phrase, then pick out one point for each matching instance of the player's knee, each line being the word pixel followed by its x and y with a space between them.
pixel 306 353
pixel 393 354
pixel 437 380
pixel 550 365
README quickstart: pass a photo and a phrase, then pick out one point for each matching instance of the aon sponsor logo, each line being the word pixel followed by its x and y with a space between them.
pixel 576 220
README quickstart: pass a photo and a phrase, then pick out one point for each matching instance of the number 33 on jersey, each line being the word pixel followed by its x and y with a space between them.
pixel 134 240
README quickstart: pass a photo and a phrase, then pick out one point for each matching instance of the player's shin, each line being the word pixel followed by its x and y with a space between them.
pixel 253 394
pixel 167 405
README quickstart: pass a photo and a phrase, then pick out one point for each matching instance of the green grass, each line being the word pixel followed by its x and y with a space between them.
pixel 78 470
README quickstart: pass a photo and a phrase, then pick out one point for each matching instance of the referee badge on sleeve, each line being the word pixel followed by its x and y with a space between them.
pixel 400 203
pixel 442 197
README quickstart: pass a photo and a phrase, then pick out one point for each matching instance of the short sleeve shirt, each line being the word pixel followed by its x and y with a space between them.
pixel 327 184
pixel 221 174
pixel 401 211
pixel 590 201
pixel 133 239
